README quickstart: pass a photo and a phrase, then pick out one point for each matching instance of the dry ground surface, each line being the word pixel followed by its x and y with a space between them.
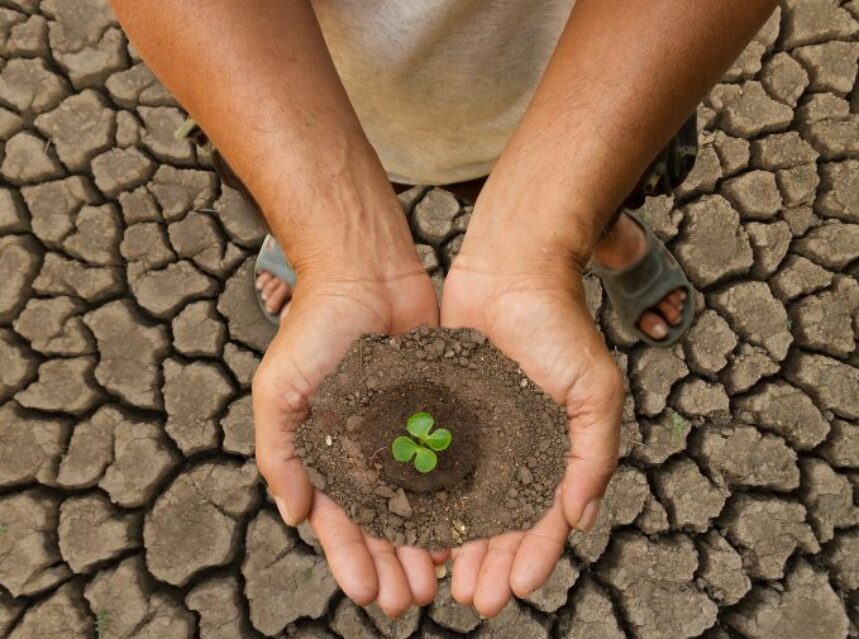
pixel 130 505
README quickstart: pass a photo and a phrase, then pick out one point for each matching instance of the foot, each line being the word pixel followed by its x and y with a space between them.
pixel 275 293
pixel 623 245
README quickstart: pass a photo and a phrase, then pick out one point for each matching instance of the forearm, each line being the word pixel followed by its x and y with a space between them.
pixel 262 86
pixel 621 81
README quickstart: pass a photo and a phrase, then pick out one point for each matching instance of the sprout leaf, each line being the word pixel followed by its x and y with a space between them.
pixel 420 425
pixel 439 439
pixel 404 449
pixel 425 460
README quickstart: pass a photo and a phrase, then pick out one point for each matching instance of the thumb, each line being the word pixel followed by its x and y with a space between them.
pixel 311 340
pixel 594 412
pixel 279 405
pixel 293 365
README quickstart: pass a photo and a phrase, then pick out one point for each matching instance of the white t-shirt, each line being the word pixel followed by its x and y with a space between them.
pixel 440 85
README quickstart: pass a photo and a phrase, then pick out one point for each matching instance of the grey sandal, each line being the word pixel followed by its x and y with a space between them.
pixel 641 286
pixel 271 259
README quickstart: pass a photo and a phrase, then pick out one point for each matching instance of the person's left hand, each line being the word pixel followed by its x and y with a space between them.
pixel 536 314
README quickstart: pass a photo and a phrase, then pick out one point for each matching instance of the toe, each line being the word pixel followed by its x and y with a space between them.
pixel 262 279
pixel 278 297
pixel 269 288
pixel 674 299
pixel 653 325
pixel 669 312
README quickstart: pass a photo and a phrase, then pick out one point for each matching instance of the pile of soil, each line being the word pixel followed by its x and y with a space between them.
pixel 500 472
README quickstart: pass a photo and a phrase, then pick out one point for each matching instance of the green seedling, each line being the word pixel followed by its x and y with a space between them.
pixel 678 425
pixel 429 442
pixel 102 623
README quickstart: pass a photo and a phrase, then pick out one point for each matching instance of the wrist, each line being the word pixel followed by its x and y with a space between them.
pixel 533 228
pixel 369 243
pixel 513 243
pixel 345 225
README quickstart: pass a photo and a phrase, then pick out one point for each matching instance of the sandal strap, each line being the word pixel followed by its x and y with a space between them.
pixel 640 286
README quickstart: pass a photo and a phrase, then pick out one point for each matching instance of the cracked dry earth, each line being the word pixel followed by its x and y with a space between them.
pixel 130 505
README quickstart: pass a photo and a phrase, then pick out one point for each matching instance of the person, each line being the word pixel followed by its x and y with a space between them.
pixel 318 106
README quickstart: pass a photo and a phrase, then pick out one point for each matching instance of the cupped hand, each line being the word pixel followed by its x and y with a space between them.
pixel 535 313
pixel 324 318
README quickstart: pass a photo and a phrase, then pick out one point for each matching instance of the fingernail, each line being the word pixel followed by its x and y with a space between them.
pixel 660 330
pixel 589 515
pixel 440 571
pixel 283 509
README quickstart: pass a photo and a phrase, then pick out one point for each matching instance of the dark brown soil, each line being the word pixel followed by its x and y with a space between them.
pixel 506 458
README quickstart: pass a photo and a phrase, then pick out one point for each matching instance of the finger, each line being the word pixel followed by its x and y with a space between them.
pixel 653 325
pixel 669 312
pixel 595 411
pixel 466 566
pixel 348 557
pixel 394 596
pixel 539 551
pixel 439 556
pixel 420 573
pixel 493 582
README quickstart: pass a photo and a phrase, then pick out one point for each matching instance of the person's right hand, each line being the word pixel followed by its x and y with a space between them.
pixel 325 316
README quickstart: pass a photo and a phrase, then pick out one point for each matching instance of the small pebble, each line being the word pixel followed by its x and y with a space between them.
pixel 384 491
pixel 525 476
pixel 353 423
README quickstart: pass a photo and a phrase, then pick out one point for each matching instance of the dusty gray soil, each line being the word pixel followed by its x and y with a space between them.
pixel 129 505
pixel 508 447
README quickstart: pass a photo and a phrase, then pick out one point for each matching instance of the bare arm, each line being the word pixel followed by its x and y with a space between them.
pixel 262 85
pixel 624 77
pixel 622 80
pixel 259 79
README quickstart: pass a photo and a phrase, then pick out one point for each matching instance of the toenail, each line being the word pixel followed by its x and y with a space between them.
pixel 660 330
